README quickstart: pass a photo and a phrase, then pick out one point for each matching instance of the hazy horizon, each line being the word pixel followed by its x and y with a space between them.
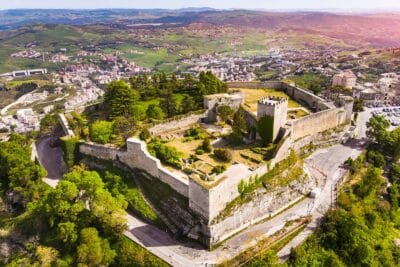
pixel 343 5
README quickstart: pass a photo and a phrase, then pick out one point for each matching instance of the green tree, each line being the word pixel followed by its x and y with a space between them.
pixel 239 120
pixel 376 158
pixel 371 183
pixel 49 124
pixel 120 98
pixel 225 113
pixel 145 134
pixel 101 131
pixel 358 105
pixel 188 104
pixel 93 250
pixel 154 112
pixel 62 205
pixel 109 210
pixel 46 256
pixel 125 127
pixel 138 112
pixel 67 232
pixel 206 145
pixel 377 129
pixel 169 105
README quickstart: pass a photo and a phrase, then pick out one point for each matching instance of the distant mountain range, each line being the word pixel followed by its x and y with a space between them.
pixel 378 29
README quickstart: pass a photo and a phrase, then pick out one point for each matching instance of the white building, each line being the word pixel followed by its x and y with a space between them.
pixel 346 79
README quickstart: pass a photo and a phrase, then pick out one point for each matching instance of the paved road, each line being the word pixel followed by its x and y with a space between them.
pixel 324 164
pixel 328 163
pixel 50 158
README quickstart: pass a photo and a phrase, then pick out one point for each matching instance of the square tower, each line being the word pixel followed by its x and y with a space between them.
pixel 275 107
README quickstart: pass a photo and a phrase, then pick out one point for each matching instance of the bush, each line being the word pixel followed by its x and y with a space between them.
pixel 144 134
pixel 167 155
pixel 376 158
pixel 199 151
pixel 218 169
pixel 196 133
pixel 235 138
pixel 101 131
pixel 206 146
pixel 223 154
pixel 225 113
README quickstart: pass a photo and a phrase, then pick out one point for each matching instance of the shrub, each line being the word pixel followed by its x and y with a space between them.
pixel 236 137
pixel 196 133
pixel 199 151
pixel 206 146
pixel 144 134
pixel 223 154
pixel 167 155
pixel 101 131
pixel 225 113
pixel 376 158
pixel 218 169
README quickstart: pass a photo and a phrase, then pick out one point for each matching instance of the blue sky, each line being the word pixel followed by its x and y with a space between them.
pixel 222 4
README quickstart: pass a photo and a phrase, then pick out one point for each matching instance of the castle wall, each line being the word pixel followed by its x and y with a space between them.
pixel 208 203
pixel 177 124
pixel 264 205
pixel 99 151
pixel 305 97
pixel 318 122
pixel 137 157
pixel 284 149
pixel 257 85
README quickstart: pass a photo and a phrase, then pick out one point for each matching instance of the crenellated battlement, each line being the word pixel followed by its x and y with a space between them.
pixel 273 100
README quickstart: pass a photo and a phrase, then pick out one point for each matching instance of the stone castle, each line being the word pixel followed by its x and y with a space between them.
pixel 205 203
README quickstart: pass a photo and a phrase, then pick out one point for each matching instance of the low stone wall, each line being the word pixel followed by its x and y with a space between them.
pixel 173 125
